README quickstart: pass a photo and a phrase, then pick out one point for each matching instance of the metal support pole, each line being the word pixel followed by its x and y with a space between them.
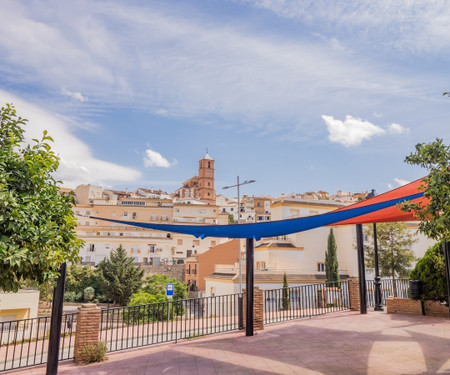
pixel 378 305
pixel 249 288
pixel 361 270
pixel 55 323
pixel 447 268
pixel 239 240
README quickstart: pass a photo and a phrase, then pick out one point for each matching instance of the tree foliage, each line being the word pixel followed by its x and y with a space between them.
pixel 395 257
pixel 36 221
pixel 78 278
pixel 435 216
pixel 156 284
pixel 120 277
pixel 430 270
pixel 331 262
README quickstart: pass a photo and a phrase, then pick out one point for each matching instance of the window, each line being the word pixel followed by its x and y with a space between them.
pixel 154 217
pixel 91 247
pixel 321 266
pixel 151 248
pixel 213 243
pixel 125 213
pixel 209 164
pixel 188 269
pixel 133 215
pixel 213 291
pixel 194 271
pixel 258 204
pixel 195 242
pixel 86 223
pixel 209 184
pixel 294 213
pixel 179 242
pixel 88 213
pixel 164 217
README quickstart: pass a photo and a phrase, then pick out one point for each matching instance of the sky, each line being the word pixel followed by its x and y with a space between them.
pixel 298 95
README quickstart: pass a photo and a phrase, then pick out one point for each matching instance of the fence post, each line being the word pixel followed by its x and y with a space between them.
pixel 258 309
pixel 353 293
pixel 88 328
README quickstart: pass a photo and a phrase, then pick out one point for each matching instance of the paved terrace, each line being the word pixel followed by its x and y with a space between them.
pixel 339 343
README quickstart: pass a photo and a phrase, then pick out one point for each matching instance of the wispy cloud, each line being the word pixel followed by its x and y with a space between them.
pixel 74 95
pixel 194 67
pixel 77 164
pixel 400 181
pixel 155 159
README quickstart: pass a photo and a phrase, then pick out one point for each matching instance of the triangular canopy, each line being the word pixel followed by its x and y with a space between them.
pixel 383 207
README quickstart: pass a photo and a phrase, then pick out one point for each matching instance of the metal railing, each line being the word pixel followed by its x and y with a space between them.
pixel 24 343
pixel 304 301
pixel 134 326
pixel 397 288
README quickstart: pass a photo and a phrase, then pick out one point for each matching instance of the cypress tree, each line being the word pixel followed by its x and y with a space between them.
pixel 331 262
pixel 285 305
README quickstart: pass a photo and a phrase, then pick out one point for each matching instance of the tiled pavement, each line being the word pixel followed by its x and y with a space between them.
pixel 340 343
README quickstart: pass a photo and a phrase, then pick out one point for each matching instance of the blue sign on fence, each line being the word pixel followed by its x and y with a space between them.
pixel 170 287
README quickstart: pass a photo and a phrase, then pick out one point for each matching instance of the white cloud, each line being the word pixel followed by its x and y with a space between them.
pixel 74 95
pixel 401 182
pixel 77 164
pixel 185 66
pixel 352 131
pixel 155 159
pixel 397 129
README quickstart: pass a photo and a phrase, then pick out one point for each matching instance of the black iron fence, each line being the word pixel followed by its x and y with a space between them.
pixel 389 287
pixel 134 326
pixel 304 301
pixel 24 343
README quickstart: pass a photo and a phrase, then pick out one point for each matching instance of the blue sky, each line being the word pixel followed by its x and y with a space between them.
pixel 298 95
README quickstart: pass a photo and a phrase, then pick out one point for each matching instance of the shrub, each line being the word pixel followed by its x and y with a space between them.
pixel 430 270
pixel 89 294
pixel 93 353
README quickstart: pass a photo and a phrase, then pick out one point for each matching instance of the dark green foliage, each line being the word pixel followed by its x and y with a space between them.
pixel 430 270
pixel 79 278
pixel 89 294
pixel 434 217
pixel 395 257
pixel 231 219
pixel 285 303
pixel 36 222
pixel 331 262
pixel 120 277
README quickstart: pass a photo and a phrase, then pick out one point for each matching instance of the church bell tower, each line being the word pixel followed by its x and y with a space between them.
pixel 206 189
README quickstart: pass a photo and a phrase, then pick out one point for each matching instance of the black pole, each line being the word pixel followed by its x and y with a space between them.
pixel 378 306
pixel 447 268
pixel 249 287
pixel 361 270
pixel 55 323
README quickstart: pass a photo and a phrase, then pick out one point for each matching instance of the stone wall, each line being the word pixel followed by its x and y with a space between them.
pixel 175 270
pixel 433 308
pixel 353 292
pixel 403 306
pixel 258 309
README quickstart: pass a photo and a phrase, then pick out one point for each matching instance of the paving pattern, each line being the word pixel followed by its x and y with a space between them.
pixel 340 343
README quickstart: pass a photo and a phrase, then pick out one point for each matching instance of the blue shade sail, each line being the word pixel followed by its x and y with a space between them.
pixel 270 229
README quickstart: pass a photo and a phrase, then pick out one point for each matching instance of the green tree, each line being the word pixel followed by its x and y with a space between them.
pixel 120 277
pixel 331 262
pixel 156 285
pixel 430 270
pixel 434 216
pixel 78 278
pixel 231 219
pixel 395 257
pixel 285 303
pixel 36 221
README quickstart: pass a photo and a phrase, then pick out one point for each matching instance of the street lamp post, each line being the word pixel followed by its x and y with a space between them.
pixel 377 282
pixel 239 221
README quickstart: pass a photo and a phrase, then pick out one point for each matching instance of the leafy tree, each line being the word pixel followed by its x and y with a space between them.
pixel 331 262
pixel 156 284
pixel 231 219
pixel 36 221
pixel 285 303
pixel 148 308
pixel 89 294
pixel 395 257
pixel 430 270
pixel 78 278
pixel 120 277
pixel 435 216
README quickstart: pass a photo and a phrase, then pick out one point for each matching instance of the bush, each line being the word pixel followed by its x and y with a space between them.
pixel 89 294
pixel 93 353
pixel 430 270
pixel 146 308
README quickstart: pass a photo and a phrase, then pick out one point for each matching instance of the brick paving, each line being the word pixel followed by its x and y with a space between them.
pixel 339 343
